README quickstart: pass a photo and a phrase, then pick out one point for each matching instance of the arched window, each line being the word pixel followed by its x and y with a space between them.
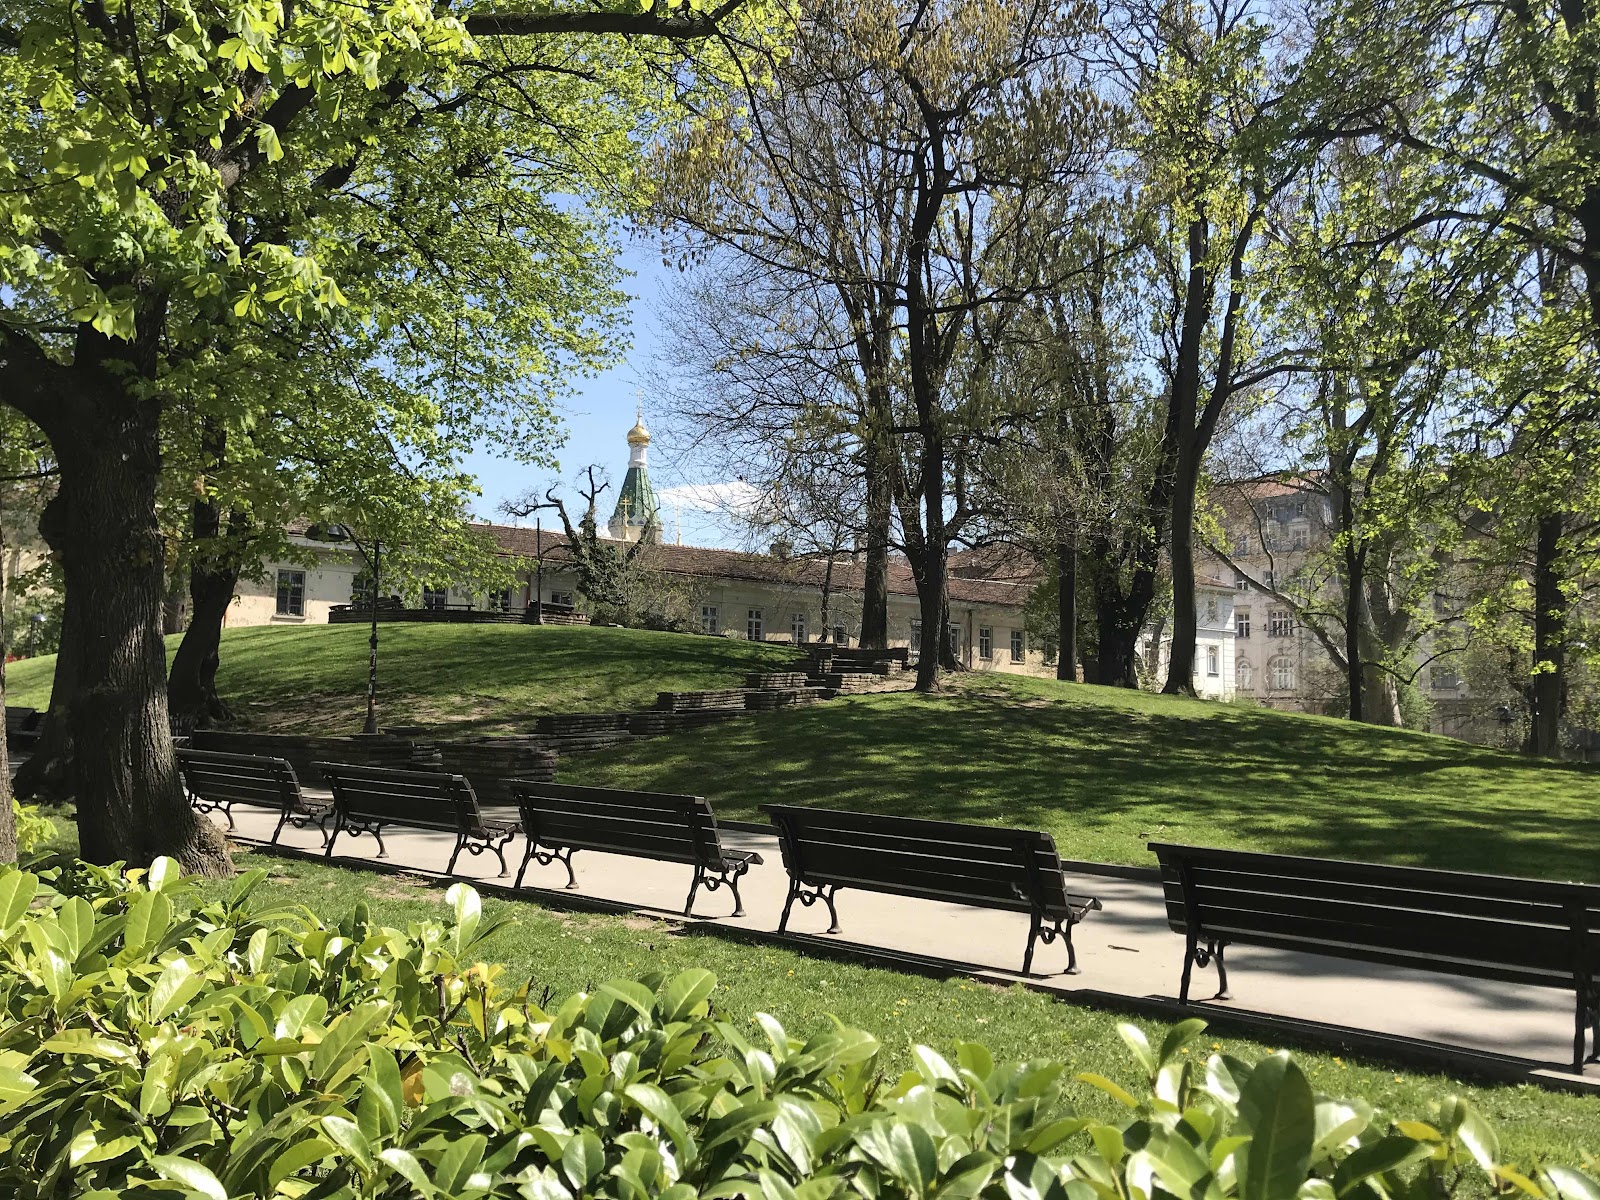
pixel 1282 674
pixel 1244 675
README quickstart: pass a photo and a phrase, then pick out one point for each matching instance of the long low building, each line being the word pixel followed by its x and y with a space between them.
pixel 776 597
pixel 726 593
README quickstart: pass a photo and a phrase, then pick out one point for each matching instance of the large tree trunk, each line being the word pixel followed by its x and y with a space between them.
pixel 8 818
pixel 1067 608
pixel 875 581
pixel 1548 686
pixel 43 775
pixel 102 526
pixel 1183 454
pixel 1185 617
pixel 213 578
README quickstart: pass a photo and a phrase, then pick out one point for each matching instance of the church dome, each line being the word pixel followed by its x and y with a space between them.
pixel 639 435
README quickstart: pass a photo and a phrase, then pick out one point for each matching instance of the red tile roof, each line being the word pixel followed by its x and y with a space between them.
pixel 704 563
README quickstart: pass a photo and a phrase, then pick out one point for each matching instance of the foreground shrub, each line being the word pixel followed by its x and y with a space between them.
pixel 152 1043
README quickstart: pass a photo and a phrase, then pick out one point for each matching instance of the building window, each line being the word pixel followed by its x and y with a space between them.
pixel 499 601
pixel 433 597
pixel 1212 610
pixel 1213 661
pixel 916 636
pixel 1282 674
pixel 797 627
pixel 1019 645
pixel 291 594
pixel 1445 679
pixel 1241 581
pixel 955 641
pixel 985 643
pixel 1241 623
pixel 1441 605
pixel 1299 538
pixel 361 592
pixel 1241 544
pixel 1280 623
pixel 564 599
pixel 753 629
pixel 1243 676
pixel 840 636
pixel 710 620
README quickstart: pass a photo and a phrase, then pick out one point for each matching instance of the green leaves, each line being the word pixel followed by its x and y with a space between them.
pixel 1278 1110
pixel 258 1057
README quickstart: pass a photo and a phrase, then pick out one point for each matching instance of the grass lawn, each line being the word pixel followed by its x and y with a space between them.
pixel 1103 769
pixel 1106 770
pixel 457 678
pixel 569 952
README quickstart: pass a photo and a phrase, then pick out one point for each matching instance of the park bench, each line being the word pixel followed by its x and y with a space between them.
pixel 560 820
pixel 22 727
pixel 1496 927
pixel 1014 870
pixel 366 799
pixel 217 781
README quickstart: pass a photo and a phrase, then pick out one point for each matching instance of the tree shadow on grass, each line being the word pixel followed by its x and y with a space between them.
pixel 1104 779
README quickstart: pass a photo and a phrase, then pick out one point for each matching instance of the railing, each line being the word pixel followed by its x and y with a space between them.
pixel 456 614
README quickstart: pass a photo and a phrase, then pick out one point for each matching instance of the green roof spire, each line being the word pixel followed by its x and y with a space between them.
pixel 636 502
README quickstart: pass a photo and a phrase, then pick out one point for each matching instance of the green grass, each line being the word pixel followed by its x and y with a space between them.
pixel 567 952
pixel 1106 770
pixel 1103 769
pixel 457 678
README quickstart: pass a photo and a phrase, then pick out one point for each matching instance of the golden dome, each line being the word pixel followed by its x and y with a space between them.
pixel 639 435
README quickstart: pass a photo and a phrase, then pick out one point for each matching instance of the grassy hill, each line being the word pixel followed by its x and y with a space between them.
pixel 1102 769
pixel 1106 770
pixel 457 678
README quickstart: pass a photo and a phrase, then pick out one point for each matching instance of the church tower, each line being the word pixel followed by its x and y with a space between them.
pixel 636 502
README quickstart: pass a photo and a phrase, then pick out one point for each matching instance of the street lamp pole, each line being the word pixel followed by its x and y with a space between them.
pixel 538 570
pixel 372 645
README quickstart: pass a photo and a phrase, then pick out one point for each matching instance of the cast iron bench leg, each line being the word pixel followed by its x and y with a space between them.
pixel 822 892
pixel 727 877
pixel 544 858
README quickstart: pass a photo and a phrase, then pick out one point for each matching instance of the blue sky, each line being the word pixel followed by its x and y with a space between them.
pixel 598 418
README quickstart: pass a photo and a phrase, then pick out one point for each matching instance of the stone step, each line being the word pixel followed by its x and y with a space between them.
pixel 777 679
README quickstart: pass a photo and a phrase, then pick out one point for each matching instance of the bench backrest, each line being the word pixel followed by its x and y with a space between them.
pixel 658 825
pixel 1482 926
pixel 240 779
pixel 20 719
pixel 305 752
pixel 985 865
pixel 419 799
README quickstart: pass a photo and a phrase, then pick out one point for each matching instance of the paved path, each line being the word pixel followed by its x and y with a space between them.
pixel 1126 950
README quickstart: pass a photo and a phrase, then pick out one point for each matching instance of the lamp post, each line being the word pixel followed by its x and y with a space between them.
pixel 538 570
pixel 35 632
pixel 372 643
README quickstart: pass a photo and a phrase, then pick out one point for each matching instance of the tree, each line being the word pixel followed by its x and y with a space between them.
pixel 1389 314
pixel 601 565
pixel 170 170
pixel 1212 157
pixel 765 386
pixel 799 192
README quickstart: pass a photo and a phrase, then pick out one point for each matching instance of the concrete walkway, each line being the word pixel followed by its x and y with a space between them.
pixel 1125 951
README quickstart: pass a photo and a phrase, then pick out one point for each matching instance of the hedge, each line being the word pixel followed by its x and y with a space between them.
pixel 153 1043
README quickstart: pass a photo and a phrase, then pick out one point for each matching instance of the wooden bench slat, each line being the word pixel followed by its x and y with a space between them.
pixel 1422 912
pixel 216 781
pixel 1529 908
pixel 1504 928
pixel 561 818
pixel 366 799
pixel 1011 870
pixel 1383 874
pixel 1467 940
